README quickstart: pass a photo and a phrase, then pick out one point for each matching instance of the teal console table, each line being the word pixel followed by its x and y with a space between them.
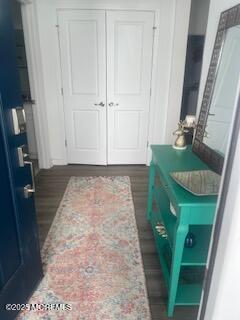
pixel 183 267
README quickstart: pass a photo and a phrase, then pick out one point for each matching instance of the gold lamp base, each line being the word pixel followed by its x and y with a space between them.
pixel 183 128
pixel 179 148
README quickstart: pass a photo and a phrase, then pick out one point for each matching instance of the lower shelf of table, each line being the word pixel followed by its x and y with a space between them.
pixel 187 293
pixel 196 255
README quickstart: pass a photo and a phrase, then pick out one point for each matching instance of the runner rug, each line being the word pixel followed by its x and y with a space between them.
pixel 92 262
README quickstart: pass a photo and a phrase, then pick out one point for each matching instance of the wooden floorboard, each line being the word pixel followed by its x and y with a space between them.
pixel 50 187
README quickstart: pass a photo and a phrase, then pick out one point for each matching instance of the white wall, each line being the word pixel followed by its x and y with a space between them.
pixel 169 60
pixel 34 60
pixel 199 17
pixel 173 107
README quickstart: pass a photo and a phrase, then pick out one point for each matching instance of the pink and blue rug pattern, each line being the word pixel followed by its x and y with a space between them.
pixel 91 257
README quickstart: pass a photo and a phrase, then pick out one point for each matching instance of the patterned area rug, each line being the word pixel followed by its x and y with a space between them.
pixel 91 257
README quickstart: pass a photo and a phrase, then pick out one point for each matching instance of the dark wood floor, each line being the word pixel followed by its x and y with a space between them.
pixel 51 185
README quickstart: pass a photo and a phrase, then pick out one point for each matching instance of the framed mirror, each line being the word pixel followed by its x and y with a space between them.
pixel 221 93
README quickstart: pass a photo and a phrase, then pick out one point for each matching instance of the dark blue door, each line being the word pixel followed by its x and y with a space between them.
pixel 20 263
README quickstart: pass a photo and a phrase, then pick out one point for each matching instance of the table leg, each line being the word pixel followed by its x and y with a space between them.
pixel 150 189
pixel 181 233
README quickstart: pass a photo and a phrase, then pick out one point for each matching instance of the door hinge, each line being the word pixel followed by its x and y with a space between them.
pixel 62 91
pixel 150 92
pixel 154 27
pixel 147 144
pixel 57 25
pixel 65 143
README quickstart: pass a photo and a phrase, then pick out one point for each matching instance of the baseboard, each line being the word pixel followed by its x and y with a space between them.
pixel 59 162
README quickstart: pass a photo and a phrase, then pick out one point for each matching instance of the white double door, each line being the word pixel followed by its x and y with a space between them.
pixel 106 60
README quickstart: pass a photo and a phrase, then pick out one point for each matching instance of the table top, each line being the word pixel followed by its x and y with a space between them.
pixel 169 159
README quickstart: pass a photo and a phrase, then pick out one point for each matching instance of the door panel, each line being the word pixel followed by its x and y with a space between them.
pixel 20 262
pixel 128 119
pixel 129 64
pixel 10 259
pixel 128 45
pixel 81 120
pixel 82 37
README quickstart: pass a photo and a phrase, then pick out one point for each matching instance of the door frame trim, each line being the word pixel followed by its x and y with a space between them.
pixel 35 71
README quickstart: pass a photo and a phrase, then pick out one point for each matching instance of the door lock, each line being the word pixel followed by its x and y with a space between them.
pixel 19 120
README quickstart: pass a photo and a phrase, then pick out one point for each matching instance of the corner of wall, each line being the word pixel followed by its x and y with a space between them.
pixel 180 36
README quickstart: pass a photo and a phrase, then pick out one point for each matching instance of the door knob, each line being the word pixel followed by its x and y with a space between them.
pixel 112 104
pixel 101 104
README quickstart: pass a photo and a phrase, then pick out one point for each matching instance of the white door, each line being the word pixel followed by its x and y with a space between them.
pixel 82 36
pixel 129 64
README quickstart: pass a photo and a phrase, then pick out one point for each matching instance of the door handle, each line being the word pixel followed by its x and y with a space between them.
pixel 22 155
pixel 29 189
pixel 112 104
pixel 101 104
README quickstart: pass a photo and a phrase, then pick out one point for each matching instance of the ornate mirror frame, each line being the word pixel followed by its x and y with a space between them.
pixel 214 160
